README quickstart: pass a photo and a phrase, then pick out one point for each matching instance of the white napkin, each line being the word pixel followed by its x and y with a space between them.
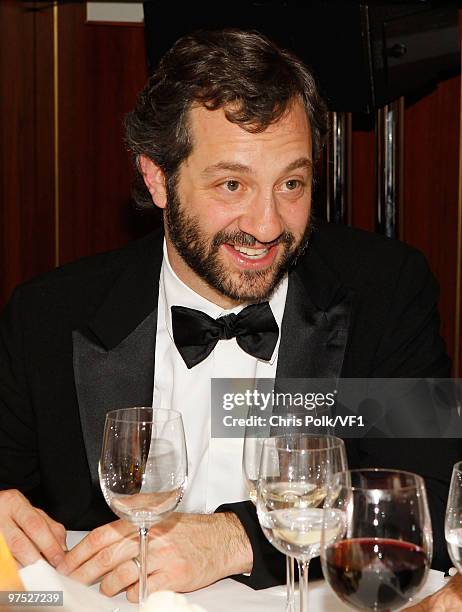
pixel 76 596
pixel 168 601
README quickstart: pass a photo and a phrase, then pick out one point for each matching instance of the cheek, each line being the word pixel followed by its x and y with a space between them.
pixel 215 217
pixel 296 218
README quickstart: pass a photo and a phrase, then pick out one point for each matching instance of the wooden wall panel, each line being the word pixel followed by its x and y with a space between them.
pixel 429 212
pixel 458 297
pixel 431 189
pixel 362 213
pixel 102 68
pixel 26 184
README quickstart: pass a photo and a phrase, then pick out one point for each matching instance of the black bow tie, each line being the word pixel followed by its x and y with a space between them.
pixel 196 334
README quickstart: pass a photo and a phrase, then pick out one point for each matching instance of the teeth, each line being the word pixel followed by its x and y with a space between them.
pixel 251 252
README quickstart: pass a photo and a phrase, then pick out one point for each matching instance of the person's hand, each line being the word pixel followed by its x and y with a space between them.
pixel 447 599
pixel 29 532
pixel 186 552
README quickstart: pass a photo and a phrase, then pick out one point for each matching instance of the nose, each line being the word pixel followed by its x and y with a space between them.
pixel 262 219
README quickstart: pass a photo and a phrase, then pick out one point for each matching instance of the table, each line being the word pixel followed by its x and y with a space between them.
pixel 230 596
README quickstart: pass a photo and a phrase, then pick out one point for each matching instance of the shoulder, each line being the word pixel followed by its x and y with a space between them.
pixel 394 323
pixel 93 266
pixel 357 257
pixel 95 271
pixel 70 294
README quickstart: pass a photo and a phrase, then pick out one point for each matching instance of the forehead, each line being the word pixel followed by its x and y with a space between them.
pixel 214 137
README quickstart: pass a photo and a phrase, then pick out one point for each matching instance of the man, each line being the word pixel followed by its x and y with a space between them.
pixel 225 137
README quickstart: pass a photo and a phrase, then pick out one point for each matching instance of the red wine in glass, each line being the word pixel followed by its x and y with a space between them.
pixel 375 573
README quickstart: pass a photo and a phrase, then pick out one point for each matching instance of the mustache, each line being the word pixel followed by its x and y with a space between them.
pixel 243 239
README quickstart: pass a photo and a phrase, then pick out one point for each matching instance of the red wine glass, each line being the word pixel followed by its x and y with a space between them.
pixel 379 556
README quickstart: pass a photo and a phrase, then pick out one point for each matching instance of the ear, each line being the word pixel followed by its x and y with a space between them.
pixel 154 179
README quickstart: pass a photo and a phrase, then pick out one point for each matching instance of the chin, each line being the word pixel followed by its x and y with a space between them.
pixel 250 286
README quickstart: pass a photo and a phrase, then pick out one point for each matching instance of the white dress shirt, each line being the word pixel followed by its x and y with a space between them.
pixel 214 464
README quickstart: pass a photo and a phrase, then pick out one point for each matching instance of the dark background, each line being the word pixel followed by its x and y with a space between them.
pixel 65 177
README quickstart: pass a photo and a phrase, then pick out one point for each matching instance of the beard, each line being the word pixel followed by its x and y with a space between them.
pixel 202 254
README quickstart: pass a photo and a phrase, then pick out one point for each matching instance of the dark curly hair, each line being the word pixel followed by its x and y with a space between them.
pixel 242 72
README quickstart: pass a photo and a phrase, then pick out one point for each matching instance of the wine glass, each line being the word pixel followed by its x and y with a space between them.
pixel 453 523
pixel 295 471
pixel 143 470
pixel 378 555
pixel 285 423
pixel 251 457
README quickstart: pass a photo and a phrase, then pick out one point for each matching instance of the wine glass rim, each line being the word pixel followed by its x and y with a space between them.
pixel 118 414
pixel 420 483
pixel 457 467
pixel 336 443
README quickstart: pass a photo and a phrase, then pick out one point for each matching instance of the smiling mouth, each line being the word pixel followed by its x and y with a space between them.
pixel 251 253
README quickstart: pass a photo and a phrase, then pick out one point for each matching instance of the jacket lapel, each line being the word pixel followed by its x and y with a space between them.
pixel 113 356
pixel 315 325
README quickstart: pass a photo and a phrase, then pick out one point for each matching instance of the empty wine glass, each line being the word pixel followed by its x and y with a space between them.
pixel 143 470
pixel 295 472
pixel 376 544
pixel 453 523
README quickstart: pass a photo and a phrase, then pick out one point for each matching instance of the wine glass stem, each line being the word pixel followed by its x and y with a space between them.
pixel 290 606
pixel 303 567
pixel 143 581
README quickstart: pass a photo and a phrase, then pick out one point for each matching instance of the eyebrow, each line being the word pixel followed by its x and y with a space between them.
pixel 225 165
pixel 301 162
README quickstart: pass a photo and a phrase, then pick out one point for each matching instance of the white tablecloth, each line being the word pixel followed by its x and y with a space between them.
pixel 231 596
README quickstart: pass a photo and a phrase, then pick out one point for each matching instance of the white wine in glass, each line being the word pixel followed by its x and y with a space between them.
pixel 295 473
pixel 143 470
pixel 253 444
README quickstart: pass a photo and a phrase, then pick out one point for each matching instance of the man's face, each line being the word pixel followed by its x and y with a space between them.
pixel 239 215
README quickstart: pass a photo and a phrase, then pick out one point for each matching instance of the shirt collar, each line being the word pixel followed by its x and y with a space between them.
pixel 177 293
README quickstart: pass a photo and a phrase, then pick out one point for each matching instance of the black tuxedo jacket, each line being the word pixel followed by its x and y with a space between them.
pixel 80 341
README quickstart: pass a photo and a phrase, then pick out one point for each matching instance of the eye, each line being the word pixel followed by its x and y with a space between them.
pixel 231 185
pixel 294 187
pixel 293 184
